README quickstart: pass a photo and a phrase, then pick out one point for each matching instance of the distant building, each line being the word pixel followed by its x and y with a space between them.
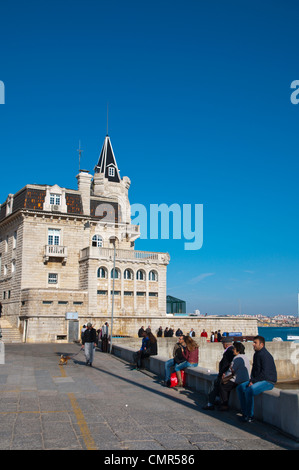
pixel 57 250
pixel 175 305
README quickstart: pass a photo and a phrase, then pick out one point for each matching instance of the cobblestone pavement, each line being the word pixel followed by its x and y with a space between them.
pixel 110 407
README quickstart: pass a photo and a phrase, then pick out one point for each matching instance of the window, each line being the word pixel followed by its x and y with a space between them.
pixel 140 294
pixel 5 270
pixel 111 171
pixel 116 292
pixel 14 245
pixel 153 294
pixel 62 302
pixel 13 266
pixel 128 275
pixel 153 276
pixel 0 263
pixel 55 199
pixel 53 237
pixel 102 273
pixel 130 293
pixel 52 278
pixel 115 274
pixel 97 241
pixel 102 292
pixel 140 275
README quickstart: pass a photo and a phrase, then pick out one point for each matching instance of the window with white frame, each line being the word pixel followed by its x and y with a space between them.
pixel 128 274
pixel 102 273
pixel 115 274
pixel 14 243
pixel 153 276
pixel 111 171
pixel 52 278
pixel 13 266
pixel 140 275
pixel 97 241
pixel 53 237
pixel 55 199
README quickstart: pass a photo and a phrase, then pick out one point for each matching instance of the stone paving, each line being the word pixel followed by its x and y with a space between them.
pixel 110 407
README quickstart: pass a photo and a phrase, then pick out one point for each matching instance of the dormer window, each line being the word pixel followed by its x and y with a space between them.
pixel 55 199
pixel 111 171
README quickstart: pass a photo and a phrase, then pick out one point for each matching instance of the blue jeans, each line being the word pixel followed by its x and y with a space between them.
pixel 246 395
pixel 168 366
pixel 183 365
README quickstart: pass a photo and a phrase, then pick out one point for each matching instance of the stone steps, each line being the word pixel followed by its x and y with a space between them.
pixel 9 333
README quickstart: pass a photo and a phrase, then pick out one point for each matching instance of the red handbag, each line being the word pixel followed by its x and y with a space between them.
pixel 174 379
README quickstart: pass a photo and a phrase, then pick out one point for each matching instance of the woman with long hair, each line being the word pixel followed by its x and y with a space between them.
pixel 190 354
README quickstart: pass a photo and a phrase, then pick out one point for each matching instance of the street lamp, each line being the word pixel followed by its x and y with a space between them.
pixel 113 240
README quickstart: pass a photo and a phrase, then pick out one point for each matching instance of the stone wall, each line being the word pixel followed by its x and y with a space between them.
pixel 285 354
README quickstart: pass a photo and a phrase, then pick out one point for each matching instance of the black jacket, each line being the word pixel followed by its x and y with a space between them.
pixel 226 360
pixel 89 336
pixel 263 367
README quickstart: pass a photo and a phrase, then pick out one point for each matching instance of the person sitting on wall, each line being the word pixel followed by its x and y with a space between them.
pixel 237 373
pixel 224 364
pixel 263 377
pixel 176 359
pixel 190 355
pixel 148 348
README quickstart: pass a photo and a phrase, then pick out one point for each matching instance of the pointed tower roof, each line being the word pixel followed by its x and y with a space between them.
pixel 107 163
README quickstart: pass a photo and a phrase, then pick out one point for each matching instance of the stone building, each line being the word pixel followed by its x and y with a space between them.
pixel 65 252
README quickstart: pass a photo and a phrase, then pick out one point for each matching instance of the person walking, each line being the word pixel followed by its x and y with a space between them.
pixel 105 337
pixel 263 377
pixel 89 343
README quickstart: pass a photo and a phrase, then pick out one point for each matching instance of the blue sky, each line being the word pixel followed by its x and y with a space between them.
pixel 199 113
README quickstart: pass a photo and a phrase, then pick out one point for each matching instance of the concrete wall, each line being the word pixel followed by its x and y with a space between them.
pixel 285 353
pixel 279 408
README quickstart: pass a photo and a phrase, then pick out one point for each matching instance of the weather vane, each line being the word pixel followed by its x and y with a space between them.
pixel 80 153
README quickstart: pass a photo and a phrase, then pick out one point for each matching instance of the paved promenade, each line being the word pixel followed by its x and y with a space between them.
pixel 110 407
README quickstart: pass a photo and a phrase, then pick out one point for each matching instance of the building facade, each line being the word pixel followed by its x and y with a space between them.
pixel 68 257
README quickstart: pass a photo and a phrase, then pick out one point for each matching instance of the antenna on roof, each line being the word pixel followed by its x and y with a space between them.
pixel 80 152
pixel 107 116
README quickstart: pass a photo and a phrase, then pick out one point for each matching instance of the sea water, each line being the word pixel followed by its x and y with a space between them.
pixel 270 332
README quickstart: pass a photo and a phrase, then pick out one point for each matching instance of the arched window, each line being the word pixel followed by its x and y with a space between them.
pixel 102 273
pixel 128 274
pixel 153 276
pixel 140 275
pixel 115 274
pixel 97 241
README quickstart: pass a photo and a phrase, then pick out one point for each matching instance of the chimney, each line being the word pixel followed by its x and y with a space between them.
pixel 84 187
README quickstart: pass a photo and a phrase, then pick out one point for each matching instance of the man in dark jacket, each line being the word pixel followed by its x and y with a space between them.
pixel 263 377
pixel 224 364
pixel 89 341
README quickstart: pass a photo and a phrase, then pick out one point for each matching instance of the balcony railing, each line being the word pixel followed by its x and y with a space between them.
pixel 121 254
pixel 55 251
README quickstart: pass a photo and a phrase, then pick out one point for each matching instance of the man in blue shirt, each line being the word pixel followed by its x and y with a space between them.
pixel 263 377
